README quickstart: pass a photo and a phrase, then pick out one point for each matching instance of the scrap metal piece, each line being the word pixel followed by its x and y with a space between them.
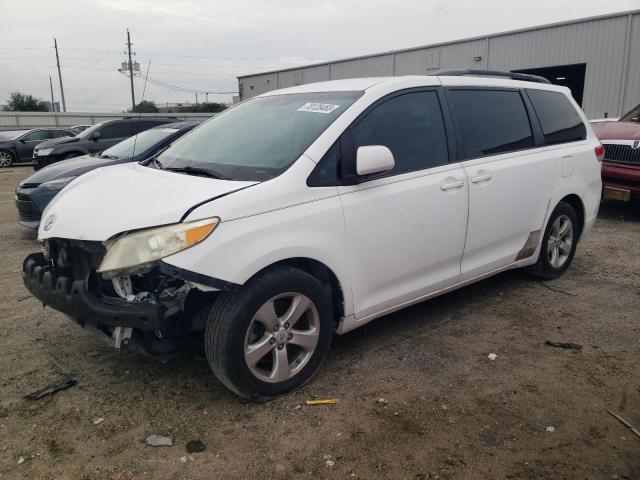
pixel 52 388
pixel 635 431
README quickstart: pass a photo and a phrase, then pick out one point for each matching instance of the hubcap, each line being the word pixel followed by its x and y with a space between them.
pixel 560 241
pixel 282 337
pixel 5 159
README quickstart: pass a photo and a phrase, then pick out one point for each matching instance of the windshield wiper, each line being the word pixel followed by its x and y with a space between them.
pixel 109 157
pixel 189 170
pixel 151 160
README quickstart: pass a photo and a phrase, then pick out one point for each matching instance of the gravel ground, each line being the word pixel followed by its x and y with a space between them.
pixel 450 412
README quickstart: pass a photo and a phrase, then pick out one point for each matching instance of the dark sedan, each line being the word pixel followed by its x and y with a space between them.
pixel 18 145
pixel 34 193
pixel 94 139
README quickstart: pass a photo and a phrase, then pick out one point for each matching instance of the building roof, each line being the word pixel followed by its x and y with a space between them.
pixel 450 42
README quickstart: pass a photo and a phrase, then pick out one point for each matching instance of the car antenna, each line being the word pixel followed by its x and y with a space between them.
pixel 144 89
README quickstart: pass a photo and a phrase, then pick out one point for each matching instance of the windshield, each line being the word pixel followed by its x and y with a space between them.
pixel 260 138
pixel 11 135
pixel 138 143
pixel 89 131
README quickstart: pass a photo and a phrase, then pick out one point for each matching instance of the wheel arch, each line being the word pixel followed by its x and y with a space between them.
pixel 576 203
pixel 322 273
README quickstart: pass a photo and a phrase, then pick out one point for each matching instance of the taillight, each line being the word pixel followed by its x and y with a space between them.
pixel 599 152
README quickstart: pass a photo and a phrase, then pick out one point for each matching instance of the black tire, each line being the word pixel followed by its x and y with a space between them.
pixel 232 315
pixel 7 156
pixel 543 268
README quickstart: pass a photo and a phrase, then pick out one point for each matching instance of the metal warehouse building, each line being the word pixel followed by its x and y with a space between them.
pixel 598 58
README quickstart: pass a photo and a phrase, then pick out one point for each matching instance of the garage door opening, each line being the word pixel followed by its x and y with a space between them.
pixel 571 76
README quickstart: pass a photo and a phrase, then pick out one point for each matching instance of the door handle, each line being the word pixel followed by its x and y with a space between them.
pixel 449 186
pixel 481 178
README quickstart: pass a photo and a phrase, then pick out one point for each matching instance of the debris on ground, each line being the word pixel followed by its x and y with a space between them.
pixel 330 463
pixel 183 459
pixel 551 428
pixel 633 429
pixel 159 441
pixel 20 461
pixel 329 401
pixel 195 446
pixel 492 356
pixel 567 345
pixel 383 402
pixel 52 388
pixel 98 420
pixel 298 407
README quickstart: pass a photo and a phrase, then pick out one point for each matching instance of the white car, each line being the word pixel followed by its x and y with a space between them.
pixel 313 210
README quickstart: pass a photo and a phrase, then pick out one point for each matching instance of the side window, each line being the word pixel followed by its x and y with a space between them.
pixel 59 133
pixel 115 130
pixel 139 126
pixel 559 119
pixel 38 135
pixel 411 126
pixel 491 121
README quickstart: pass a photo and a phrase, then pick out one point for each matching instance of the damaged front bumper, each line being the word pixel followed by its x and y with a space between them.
pixel 74 298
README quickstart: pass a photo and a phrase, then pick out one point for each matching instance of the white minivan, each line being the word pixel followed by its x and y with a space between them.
pixel 315 209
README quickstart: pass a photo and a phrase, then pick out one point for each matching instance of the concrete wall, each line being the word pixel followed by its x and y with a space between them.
pixel 609 45
pixel 9 120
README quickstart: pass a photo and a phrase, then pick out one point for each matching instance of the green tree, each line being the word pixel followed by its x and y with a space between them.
pixel 145 106
pixel 19 102
pixel 211 107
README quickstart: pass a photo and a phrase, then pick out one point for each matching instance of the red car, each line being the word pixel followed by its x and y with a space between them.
pixel 621 165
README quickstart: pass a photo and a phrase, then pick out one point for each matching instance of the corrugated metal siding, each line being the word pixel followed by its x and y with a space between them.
pixel 599 43
pixel 380 66
pixel 632 88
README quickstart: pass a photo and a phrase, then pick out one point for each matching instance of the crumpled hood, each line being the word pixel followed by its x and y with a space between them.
pixel 111 200
pixel 617 131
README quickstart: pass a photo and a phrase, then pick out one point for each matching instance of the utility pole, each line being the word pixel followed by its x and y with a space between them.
pixel 53 105
pixel 55 45
pixel 196 101
pixel 133 97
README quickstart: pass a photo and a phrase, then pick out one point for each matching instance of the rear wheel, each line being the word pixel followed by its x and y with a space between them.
pixel 6 158
pixel 270 335
pixel 558 244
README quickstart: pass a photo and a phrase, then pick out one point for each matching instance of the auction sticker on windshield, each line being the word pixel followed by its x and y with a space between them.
pixel 318 107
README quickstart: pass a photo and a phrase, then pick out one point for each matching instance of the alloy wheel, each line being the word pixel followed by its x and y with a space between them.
pixel 560 241
pixel 5 159
pixel 282 337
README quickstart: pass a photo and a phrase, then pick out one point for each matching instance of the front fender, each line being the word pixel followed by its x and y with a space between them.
pixel 238 249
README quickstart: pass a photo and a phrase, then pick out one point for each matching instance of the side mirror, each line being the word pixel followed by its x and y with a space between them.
pixel 95 136
pixel 22 140
pixel 374 159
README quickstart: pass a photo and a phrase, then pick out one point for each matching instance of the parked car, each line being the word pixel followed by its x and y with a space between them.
pixel 35 193
pixel 316 209
pixel 18 145
pixel 79 128
pixel 95 139
pixel 621 165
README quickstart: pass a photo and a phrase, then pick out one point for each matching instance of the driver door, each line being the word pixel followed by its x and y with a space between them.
pixel 28 142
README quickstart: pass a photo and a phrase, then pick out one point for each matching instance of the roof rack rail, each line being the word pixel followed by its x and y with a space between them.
pixel 492 73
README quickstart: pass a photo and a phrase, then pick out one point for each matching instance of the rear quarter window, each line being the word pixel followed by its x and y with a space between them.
pixel 559 119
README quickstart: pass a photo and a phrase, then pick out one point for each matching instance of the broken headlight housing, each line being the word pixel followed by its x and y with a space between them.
pixel 144 247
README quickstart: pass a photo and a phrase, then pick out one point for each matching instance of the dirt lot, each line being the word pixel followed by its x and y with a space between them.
pixel 533 412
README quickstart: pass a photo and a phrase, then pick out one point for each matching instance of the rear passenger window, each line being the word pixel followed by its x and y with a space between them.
pixel 491 121
pixel 116 130
pixel 559 119
pixel 411 126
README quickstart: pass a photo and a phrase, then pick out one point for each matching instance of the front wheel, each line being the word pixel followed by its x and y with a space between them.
pixel 558 244
pixel 6 158
pixel 270 335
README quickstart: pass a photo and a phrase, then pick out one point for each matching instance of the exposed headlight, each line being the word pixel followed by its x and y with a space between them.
pixel 43 152
pixel 58 184
pixel 147 246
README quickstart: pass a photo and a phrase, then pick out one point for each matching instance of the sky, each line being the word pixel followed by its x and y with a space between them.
pixel 203 45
